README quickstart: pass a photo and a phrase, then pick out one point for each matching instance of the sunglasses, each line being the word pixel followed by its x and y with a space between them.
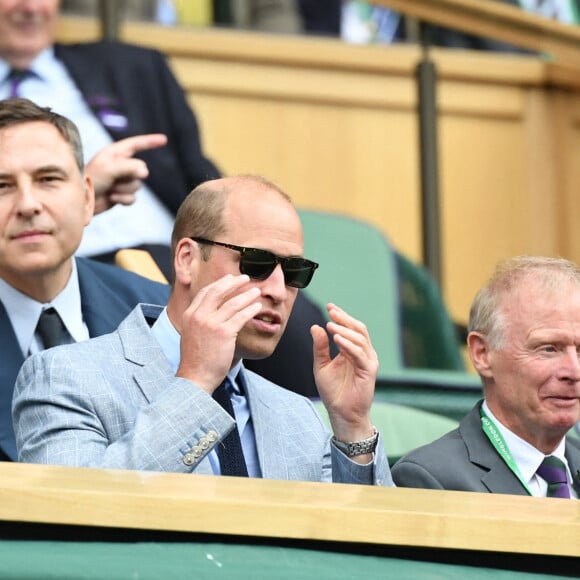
pixel 259 264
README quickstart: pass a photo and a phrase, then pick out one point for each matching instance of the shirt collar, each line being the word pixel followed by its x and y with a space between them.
pixel 23 311
pixel 526 456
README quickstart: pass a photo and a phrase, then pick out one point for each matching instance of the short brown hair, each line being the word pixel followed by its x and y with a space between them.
pixel 19 111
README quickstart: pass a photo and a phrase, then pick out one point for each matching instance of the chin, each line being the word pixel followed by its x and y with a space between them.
pixel 257 351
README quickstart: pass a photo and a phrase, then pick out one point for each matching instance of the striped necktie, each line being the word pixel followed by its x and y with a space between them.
pixel 16 77
pixel 553 471
pixel 230 453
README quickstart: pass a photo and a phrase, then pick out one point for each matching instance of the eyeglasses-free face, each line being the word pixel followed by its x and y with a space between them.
pixel 259 264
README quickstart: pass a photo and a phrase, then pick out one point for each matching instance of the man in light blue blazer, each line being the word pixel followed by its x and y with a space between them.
pixel 46 203
pixel 146 396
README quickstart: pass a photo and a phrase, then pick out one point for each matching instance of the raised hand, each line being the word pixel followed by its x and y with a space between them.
pixel 116 174
pixel 346 383
pixel 209 328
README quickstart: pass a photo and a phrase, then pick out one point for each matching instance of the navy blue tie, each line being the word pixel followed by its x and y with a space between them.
pixel 229 451
pixel 50 328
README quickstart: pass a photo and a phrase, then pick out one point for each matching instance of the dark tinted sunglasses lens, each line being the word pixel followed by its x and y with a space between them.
pixel 257 264
pixel 298 272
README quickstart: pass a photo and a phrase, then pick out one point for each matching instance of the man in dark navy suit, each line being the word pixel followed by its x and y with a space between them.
pixel 46 201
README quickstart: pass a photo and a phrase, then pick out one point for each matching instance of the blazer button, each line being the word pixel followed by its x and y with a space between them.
pixel 188 459
pixel 203 443
pixel 197 451
pixel 211 436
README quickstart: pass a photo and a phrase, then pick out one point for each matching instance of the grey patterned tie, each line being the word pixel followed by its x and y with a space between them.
pixel 229 451
pixel 50 328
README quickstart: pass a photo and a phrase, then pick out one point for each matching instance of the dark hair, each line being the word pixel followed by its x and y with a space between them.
pixel 19 111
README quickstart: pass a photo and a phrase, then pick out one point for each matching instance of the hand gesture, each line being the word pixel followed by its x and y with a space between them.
pixel 116 174
pixel 209 329
pixel 346 383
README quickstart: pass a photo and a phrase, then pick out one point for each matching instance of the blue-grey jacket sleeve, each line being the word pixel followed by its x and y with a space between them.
pixel 72 413
pixel 344 470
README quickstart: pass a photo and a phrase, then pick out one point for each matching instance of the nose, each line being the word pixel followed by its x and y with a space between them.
pixel 571 366
pixel 27 202
pixel 274 285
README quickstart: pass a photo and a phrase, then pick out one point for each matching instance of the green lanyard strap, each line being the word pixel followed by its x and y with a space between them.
pixel 500 446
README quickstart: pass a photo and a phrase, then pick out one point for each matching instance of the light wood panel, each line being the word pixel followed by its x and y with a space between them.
pixel 279 509
pixel 336 126
pixel 493 19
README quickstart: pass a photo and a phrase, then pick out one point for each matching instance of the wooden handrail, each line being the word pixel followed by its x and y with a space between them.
pixel 292 510
pixel 502 22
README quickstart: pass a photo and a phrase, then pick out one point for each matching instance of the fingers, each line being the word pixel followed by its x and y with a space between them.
pixel 320 345
pixel 225 302
pixel 351 336
pixel 129 146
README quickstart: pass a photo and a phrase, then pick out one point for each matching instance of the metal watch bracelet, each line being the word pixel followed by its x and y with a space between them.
pixel 354 448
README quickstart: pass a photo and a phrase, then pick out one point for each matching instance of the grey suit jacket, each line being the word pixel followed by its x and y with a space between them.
pixel 114 402
pixel 465 460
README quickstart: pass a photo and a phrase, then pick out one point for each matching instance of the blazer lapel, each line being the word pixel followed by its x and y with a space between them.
pixel 97 86
pixel 98 313
pixel 268 438
pixel 573 457
pixel 498 478
pixel 152 370
pixel 12 360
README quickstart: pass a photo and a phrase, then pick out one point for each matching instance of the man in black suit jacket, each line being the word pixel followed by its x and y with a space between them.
pixel 130 90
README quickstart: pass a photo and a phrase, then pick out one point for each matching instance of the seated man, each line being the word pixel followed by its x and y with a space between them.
pixel 111 91
pixel 524 339
pixel 168 391
pixel 46 201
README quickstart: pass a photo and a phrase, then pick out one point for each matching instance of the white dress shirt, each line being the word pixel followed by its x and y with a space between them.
pixel 145 221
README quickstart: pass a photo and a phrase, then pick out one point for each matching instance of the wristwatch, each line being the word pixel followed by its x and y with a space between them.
pixel 354 448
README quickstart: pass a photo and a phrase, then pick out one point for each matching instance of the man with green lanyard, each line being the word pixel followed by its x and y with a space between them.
pixel 524 341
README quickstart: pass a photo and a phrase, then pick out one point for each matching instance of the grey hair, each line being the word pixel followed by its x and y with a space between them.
pixel 486 315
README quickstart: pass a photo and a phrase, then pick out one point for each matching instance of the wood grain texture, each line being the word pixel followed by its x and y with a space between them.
pixel 280 509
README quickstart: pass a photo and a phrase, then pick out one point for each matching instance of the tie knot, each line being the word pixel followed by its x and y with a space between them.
pixel 50 328
pixel 15 78
pixel 552 470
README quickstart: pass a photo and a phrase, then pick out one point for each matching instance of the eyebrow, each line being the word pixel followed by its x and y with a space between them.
pixel 51 169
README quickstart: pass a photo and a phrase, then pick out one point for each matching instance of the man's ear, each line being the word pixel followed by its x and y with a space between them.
pixel 479 353
pixel 187 256
pixel 89 199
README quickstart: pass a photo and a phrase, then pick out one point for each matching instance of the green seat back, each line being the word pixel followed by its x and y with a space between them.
pixel 430 339
pixel 402 428
pixel 357 272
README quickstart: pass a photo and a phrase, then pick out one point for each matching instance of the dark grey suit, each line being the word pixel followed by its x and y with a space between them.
pixel 465 460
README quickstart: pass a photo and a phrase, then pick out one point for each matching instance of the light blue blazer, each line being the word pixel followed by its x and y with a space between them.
pixel 114 402
pixel 108 295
